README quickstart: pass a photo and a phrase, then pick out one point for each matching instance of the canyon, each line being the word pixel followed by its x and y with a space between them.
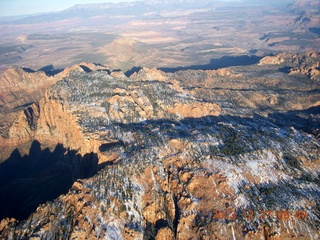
pixel 231 153
pixel 161 120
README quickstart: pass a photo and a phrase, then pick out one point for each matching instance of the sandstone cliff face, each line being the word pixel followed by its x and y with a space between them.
pixel 271 60
pixel 47 122
pixel 146 74
pixel 44 119
pixel 291 59
pixel 197 110
pixel 191 154
pixel 312 72
pixel 20 87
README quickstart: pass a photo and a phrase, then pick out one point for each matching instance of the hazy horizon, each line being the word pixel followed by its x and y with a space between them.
pixel 22 7
pixel 16 8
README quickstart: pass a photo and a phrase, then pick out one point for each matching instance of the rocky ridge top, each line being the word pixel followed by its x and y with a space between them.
pixel 171 153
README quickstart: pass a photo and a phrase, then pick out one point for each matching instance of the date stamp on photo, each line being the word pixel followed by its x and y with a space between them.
pixel 249 215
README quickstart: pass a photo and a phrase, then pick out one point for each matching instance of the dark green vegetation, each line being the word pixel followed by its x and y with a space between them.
pixel 261 151
pixel 242 140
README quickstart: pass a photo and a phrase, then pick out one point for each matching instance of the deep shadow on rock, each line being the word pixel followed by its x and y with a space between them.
pixel 223 62
pixel 305 120
pixel 50 70
pixel 42 175
pixel 26 182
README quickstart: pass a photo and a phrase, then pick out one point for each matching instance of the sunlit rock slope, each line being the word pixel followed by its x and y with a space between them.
pixel 223 154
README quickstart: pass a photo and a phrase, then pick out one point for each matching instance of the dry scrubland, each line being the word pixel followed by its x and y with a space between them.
pixel 161 35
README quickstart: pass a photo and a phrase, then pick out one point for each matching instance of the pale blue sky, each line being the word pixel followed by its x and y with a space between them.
pixel 21 7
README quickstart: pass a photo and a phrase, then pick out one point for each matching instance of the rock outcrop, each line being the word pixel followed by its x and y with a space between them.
pixel 312 72
pixel 146 74
pixel 196 110
pixel 271 60
pixel 20 87
pixel 308 58
pixel 223 154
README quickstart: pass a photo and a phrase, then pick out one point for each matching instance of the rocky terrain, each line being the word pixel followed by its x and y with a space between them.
pixel 231 153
